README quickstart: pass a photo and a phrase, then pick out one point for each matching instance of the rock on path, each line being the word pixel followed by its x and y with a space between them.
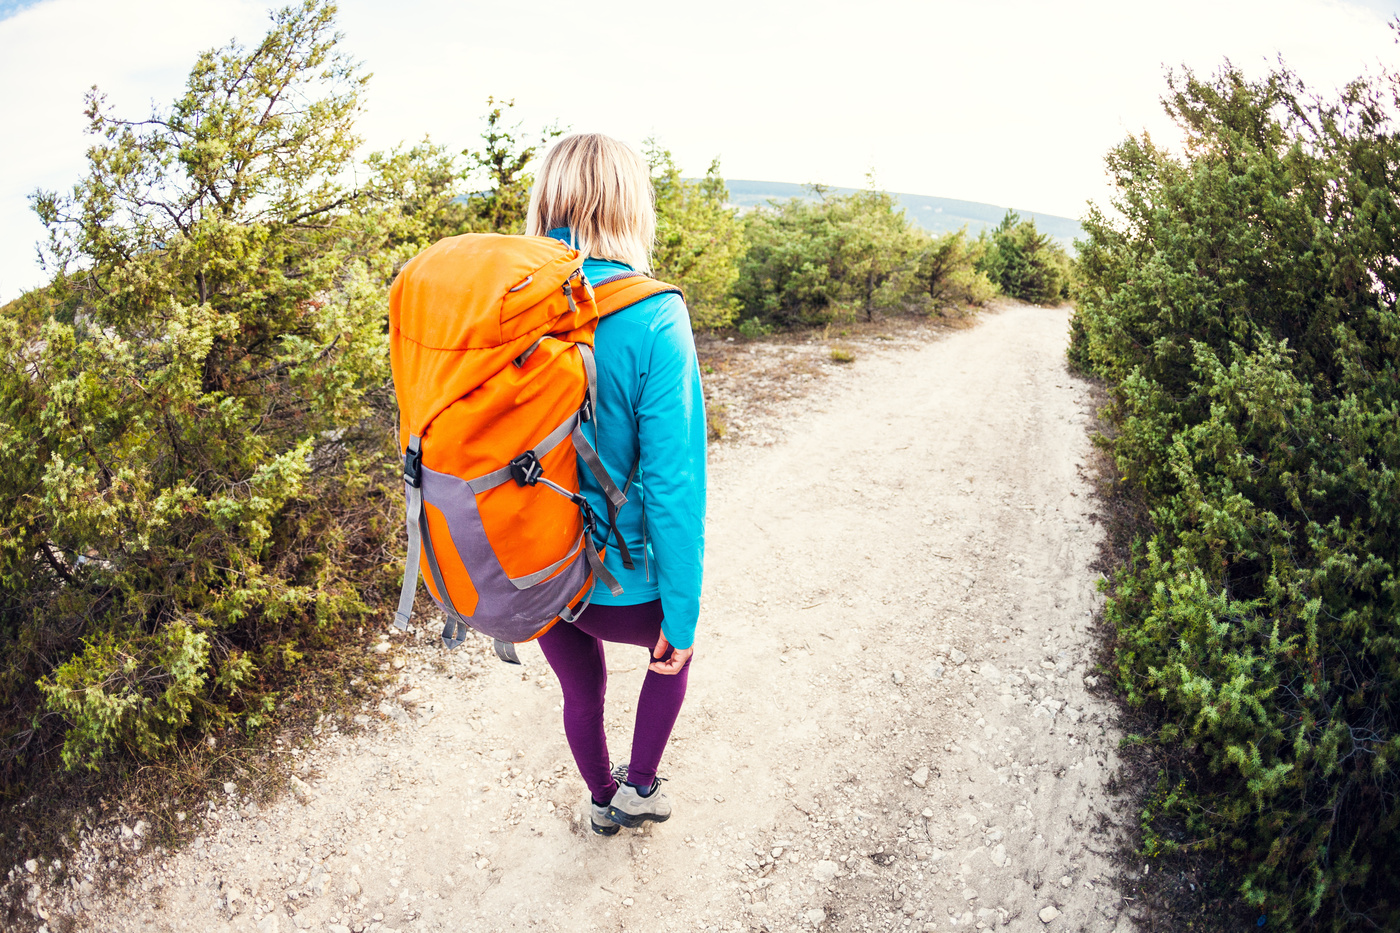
pixel 887 727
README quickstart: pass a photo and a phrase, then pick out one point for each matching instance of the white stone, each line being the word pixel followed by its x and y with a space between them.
pixel 928 813
pixel 230 787
pixel 300 787
pixel 777 852
pixel 920 777
pixel 816 916
pixel 1066 881
pixel 1047 914
pixel 319 883
pixel 990 673
pixel 825 871
pixel 269 924
pixel 935 855
pixel 483 862
pixel 500 754
pixel 999 856
pixel 957 657
pixel 31 866
pixel 337 928
pixel 412 696
pixel 897 677
pixel 351 888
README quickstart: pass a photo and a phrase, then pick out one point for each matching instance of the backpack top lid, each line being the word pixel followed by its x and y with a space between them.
pixel 465 307
pixel 461 292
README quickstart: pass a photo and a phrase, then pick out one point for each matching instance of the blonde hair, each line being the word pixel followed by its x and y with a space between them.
pixel 601 190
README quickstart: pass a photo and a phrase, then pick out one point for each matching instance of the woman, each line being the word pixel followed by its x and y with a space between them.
pixel 594 193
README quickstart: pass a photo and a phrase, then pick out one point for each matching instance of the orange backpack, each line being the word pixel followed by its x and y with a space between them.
pixel 491 346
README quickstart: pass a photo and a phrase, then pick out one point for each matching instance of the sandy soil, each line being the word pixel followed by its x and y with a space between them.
pixel 887 729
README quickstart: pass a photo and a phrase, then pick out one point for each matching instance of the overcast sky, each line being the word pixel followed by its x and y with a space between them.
pixel 1012 102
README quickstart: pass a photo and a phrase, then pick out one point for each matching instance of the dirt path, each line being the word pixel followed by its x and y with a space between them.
pixel 887 727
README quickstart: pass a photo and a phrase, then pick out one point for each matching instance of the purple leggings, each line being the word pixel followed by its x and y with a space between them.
pixel 576 654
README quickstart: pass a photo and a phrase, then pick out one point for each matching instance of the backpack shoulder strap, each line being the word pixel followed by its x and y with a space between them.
pixel 626 289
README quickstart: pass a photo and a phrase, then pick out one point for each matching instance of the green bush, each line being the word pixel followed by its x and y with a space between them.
pixel 1242 307
pixel 699 240
pixel 194 453
pixel 751 328
pixel 947 274
pixel 840 256
pixel 1025 263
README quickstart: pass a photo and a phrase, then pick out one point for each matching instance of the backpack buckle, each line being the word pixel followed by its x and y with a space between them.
pixel 585 412
pixel 413 467
pixel 590 518
pixel 525 469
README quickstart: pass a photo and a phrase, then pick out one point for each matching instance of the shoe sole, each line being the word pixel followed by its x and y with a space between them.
pixel 604 830
pixel 631 821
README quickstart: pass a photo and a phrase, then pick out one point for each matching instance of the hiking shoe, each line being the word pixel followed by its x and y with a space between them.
pixel 629 808
pixel 602 826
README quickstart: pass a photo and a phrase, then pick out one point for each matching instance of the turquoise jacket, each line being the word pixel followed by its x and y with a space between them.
pixel 650 400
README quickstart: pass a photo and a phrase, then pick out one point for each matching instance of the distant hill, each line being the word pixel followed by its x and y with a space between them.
pixel 936 215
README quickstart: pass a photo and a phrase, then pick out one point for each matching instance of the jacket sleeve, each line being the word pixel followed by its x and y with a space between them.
pixel 671 434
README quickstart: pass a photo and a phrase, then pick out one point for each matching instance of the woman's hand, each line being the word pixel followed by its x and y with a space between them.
pixel 674 663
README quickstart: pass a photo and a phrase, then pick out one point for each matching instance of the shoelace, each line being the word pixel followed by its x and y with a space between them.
pixel 619 774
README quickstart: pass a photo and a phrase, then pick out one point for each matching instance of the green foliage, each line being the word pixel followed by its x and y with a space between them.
pixel 948 275
pixel 133 691
pixel 841 256
pixel 751 328
pixel 1242 307
pixel 501 165
pixel 192 449
pixel 698 239
pixel 1025 263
